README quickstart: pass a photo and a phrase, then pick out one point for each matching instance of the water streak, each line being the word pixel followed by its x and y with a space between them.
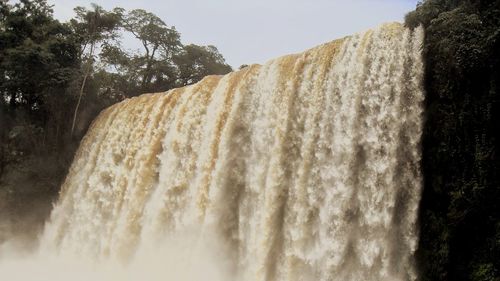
pixel 305 168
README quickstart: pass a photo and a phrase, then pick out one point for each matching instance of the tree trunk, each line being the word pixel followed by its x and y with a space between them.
pixel 86 74
pixel 149 63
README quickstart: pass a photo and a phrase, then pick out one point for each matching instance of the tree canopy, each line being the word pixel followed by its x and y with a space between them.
pixel 55 77
pixel 460 214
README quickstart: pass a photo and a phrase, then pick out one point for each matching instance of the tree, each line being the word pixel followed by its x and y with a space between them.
pixel 52 72
pixel 160 44
pixel 38 60
pixel 164 63
pixel 460 214
pixel 94 27
pixel 196 62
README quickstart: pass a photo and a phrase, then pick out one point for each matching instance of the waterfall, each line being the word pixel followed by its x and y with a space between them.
pixel 304 168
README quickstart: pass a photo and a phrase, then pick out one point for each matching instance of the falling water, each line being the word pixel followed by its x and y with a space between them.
pixel 305 168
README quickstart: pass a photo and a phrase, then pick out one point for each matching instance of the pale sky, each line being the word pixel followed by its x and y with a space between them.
pixel 254 31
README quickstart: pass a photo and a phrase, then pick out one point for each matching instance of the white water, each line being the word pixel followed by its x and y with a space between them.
pixel 305 168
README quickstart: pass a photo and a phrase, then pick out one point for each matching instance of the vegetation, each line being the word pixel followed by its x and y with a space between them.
pixel 460 210
pixel 56 77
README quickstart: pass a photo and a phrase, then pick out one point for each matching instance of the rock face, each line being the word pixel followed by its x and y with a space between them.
pixel 305 168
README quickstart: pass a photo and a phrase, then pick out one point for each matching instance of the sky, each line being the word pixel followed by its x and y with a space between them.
pixel 254 31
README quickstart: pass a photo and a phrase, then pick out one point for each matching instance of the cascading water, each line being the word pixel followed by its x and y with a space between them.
pixel 305 168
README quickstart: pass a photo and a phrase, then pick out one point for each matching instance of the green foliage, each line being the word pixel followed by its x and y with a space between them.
pixel 484 272
pixel 37 56
pixel 38 63
pixel 196 62
pixel 56 77
pixel 93 27
pixel 160 44
pixel 459 212
pixel 163 63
